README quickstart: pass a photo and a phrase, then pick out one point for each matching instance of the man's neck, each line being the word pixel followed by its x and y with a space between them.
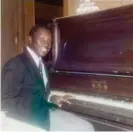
pixel 33 49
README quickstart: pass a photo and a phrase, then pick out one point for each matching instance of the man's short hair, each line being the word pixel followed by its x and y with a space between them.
pixel 35 28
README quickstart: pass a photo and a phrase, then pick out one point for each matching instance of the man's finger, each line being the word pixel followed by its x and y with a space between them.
pixel 64 101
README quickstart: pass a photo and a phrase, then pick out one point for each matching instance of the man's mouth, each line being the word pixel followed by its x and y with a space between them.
pixel 45 49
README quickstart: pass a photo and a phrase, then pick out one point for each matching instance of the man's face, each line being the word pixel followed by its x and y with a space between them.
pixel 41 42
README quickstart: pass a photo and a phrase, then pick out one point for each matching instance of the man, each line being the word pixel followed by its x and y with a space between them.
pixel 25 86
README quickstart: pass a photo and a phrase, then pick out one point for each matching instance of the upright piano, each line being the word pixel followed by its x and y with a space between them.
pixel 92 60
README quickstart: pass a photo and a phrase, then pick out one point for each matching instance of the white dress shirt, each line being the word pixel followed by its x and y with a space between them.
pixel 37 60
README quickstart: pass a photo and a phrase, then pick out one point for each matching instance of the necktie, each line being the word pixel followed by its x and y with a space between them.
pixel 43 73
pixel 40 68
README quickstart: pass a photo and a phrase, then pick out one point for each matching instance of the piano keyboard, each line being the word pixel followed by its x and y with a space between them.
pixel 115 110
pixel 97 100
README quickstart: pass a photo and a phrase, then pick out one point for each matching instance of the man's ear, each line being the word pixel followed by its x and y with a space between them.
pixel 30 39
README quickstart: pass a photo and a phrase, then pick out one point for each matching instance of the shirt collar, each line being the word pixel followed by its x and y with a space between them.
pixel 34 55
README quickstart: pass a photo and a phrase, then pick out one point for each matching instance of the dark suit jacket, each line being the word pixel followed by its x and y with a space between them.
pixel 23 93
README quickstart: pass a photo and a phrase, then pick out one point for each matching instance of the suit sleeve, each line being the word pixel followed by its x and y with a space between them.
pixel 12 80
pixel 12 83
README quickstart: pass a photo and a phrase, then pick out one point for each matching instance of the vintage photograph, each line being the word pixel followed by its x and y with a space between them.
pixel 66 65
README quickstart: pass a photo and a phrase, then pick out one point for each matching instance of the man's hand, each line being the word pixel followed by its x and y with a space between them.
pixel 64 99
pixel 59 100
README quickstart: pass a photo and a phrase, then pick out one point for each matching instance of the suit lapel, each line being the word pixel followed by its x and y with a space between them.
pixel 31 66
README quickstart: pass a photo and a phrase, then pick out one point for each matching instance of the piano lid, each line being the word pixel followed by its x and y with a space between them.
pixel 100 42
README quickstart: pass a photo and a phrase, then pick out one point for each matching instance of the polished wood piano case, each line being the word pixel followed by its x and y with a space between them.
pixel 93 55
